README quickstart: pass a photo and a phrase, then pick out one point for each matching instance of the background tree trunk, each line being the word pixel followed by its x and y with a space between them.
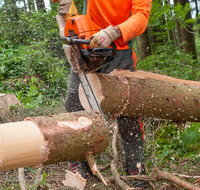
pixel 187 34
pixel 144 45
pixel 144 94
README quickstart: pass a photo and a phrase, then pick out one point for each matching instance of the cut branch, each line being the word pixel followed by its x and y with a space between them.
pixel 144 94
pixel 52 139
pixel 177 181
pixel 93 167
pixel 22 182
pixel 114 171
pixel 186 176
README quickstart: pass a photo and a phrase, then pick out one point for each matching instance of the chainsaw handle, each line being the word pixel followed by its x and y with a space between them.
pixel 75 41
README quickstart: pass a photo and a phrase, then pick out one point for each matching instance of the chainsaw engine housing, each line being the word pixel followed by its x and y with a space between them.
pixel 81 26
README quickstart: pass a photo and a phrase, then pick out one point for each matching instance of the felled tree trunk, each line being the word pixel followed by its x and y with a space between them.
pixel 144 94
pixel 52 139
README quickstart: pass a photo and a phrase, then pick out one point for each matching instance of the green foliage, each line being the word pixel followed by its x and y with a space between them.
pixel 44 176
pixel 169 60
pixel 163 19
pixel 173 143
pixel 79 5
pixel 32 73
pixel 33 64
pixel 190 136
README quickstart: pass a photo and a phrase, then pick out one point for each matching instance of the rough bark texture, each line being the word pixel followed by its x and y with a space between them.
pixel 52 139
pixel 71 136
pixel 144 94
pixel 144 45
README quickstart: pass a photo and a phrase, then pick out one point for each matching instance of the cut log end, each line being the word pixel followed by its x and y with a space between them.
pixel 26 144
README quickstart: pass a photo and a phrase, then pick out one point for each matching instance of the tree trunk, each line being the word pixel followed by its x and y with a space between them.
pixel 144 94
pixel 187 35
pixel 40 5
pixel 52 139
pixel 144 45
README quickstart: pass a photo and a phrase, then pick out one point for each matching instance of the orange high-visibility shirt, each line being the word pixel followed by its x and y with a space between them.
pixel 131 16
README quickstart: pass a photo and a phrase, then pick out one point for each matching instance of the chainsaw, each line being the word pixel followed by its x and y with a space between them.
pixel 82 59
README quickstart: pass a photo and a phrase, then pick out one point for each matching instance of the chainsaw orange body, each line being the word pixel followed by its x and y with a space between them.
pixel 81 26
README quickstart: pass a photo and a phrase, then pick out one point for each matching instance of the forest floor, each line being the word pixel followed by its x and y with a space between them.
pixel 52 176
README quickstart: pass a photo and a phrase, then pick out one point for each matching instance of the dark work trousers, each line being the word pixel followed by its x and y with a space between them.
pixel 129 128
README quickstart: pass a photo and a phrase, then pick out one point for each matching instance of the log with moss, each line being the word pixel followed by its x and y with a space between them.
pixel 145 94
pixel 51 139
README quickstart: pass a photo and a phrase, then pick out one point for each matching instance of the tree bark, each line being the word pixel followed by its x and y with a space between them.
pixel 51 139
pixel 187 34
pixel 144 94
pixel 144 45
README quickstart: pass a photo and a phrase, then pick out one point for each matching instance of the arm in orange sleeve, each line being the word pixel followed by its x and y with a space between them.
pixel 138 21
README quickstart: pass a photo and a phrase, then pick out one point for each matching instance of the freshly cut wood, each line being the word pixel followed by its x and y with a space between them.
pixel 6 101
pixel 145 94
pixel 51 139
pixel 74 181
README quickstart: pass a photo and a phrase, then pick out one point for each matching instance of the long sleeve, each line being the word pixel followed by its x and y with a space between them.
pixel 138 21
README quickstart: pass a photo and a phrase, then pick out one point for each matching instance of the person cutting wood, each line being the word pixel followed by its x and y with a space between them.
pixel 117 21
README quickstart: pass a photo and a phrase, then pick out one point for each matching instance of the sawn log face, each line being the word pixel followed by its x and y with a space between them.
pixel 133 96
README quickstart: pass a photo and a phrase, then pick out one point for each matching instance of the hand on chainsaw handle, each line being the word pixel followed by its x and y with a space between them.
pixel 105 37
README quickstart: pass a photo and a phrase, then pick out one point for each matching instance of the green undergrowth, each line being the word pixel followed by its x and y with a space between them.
pixel 31 72
pixel 169 60
pixel 168 143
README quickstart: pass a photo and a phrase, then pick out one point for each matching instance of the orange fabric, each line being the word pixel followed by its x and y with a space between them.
pixel 141 127
pixel 117 13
